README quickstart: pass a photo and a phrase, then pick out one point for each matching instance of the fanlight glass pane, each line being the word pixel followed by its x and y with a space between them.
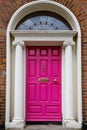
pixel 43 21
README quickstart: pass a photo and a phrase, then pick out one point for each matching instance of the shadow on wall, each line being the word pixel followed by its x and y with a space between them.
pixel 2 127
pixel 84 126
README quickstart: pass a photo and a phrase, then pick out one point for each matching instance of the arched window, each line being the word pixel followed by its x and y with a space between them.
pixel 43 20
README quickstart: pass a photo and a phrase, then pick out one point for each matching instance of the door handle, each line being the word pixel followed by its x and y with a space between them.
pixel 55 80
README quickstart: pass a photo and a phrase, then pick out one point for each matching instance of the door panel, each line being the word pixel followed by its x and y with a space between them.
pixel 43 67
pixel 43 84
pixel 32 68
pixel 43 92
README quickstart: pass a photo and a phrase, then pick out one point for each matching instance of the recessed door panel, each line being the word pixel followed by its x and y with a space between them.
pixel 55 67
pixel 43 67
pixel 31 89
pixel 43 84
pixel 55 92
pixel 43 92
pixel 32 65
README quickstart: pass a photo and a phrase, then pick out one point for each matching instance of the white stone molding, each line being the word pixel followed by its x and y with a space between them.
pixel 20 43
pixel 68 43
pixel 18 118
pixel 69 108
pixel 40 35
pixel 69 119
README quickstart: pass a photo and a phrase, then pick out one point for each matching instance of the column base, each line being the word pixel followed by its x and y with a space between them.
pixel 15 124
pixel 71 124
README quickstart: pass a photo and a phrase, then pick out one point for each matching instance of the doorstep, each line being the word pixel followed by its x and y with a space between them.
pixel 43 127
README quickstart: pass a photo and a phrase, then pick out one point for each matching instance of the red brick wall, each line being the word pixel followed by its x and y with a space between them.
pixel 7 8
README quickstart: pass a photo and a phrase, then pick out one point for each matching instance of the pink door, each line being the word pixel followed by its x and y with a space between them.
pixel 43 81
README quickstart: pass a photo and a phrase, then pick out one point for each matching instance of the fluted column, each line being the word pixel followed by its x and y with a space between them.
pixel 69 101
pixel 18 89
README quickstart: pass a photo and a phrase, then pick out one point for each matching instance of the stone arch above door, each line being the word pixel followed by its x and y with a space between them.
pixel 20 37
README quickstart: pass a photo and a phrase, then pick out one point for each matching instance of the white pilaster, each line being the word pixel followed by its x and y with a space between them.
pixel 69 99
pixel 18 89
pixel 69 108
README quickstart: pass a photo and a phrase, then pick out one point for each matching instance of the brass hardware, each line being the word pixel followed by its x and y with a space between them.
pixel 55 80
pixel 43 79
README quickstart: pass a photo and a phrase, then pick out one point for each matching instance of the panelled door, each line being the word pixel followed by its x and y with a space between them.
pixel 43 83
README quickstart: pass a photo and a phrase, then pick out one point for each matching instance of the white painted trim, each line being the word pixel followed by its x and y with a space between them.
pixel 67 14
pixel 24 60
pixel 79 80
pixel 63 82
pixel 44 35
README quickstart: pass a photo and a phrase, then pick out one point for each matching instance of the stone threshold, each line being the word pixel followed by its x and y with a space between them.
pixel 44 127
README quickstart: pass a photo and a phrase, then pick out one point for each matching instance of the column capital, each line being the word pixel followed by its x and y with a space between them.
pixel 20 43
pixel 68 43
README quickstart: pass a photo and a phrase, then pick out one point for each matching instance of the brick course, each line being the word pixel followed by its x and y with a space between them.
pixel 7 8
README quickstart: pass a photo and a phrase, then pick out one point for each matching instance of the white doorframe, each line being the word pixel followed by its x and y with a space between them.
pixel 54 36
pixel 42 38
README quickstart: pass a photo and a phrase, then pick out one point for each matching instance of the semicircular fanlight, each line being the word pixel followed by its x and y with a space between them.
pixel 43 22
